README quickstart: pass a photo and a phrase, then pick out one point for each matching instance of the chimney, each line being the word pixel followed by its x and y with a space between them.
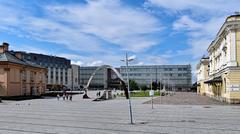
pixel 4 47
pixel 18 55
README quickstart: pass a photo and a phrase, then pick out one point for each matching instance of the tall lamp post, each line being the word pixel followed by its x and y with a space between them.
pixel 129 96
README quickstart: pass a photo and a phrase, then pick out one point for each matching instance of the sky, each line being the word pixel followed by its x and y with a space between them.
pixel 97 32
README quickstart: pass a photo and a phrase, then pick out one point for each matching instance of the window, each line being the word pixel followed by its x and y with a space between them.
pixel 180 75
pixel 225 85
pixel 179 69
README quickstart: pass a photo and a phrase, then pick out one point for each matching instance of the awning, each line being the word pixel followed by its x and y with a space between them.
pixel 214 80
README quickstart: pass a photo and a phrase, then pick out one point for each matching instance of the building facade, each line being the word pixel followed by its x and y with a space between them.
pixel 59 69
pixel 104 78
pixel 99 80
pixel 177 76
pixel 19 77
pixel 74 77
pixel 202 76
pixel 224 60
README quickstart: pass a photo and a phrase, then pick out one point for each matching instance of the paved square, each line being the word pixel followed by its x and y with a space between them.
pixel 111 117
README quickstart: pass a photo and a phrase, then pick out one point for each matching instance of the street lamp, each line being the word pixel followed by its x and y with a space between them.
pixel 129 96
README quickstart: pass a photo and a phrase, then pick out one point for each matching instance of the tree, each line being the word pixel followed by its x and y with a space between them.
pixel 144 87
pixel 154 85
pixel 160 85
pixel 133 85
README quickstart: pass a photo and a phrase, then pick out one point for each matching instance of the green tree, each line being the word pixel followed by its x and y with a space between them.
pixel 133 85
pixel 160 85
pixel 154 85
pixel 144 87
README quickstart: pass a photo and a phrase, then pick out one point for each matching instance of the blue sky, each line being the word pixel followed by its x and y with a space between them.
pixel 95 32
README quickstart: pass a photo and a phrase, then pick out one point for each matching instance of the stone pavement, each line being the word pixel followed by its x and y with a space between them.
pixel 186 98
pixel 112 117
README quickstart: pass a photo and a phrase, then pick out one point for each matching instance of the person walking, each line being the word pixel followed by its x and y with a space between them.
pixel 64 97
pixel 58 96
pixel 99 93
pixel 70 97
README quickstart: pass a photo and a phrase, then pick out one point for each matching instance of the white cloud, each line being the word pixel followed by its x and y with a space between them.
pixel 203 6
pixel 29 49
pixel 186 23
pixel 85 27
pixel 112 22
pixel 77 63
pixel 95 63
pixel 200 34
pixel 132 57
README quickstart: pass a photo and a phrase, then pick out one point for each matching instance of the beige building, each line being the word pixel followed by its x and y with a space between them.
pixel 19 77
pixel 202 75
pixel 74 77
pixel 224 60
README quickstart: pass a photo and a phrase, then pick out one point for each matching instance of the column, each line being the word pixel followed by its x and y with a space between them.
pixel 64 80
pixel 233 61
pixel 59 76
pixel 54 75
pixel 49 76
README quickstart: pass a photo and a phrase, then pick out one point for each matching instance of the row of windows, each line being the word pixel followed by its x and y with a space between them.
pixel 154 69
pixel 165 74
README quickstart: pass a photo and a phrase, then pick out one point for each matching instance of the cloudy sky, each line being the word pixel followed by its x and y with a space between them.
pixel 95 32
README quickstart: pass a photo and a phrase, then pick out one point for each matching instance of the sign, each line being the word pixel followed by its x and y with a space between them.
pixel 151 93
pixel 233 88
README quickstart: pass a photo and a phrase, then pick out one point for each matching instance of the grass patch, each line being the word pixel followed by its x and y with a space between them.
pixel 141 93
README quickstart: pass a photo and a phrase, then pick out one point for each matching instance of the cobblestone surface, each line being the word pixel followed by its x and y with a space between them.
pixel 186 98
pixel 50 116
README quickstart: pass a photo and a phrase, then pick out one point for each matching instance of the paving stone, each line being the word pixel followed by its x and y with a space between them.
pixel 50 116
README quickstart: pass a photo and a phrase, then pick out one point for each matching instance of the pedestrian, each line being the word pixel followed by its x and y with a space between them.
pixel 64 97
pixel 99 93
pixel 70 97
pixel 58 96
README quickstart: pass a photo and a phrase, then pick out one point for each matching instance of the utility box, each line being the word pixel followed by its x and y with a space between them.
pixel 151 93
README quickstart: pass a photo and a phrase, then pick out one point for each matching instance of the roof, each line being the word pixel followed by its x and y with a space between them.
pixel 8 57
pixel 214 80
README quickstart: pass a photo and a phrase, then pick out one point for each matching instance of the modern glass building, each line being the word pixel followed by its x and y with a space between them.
pixel 177 76
pixel 98 80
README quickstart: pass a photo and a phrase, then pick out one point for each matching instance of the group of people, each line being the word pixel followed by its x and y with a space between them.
pixel 65 97
pixel 98 94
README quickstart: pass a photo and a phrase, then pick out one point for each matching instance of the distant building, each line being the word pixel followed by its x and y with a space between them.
pixel 177 76
pixel 19 77
pixel 98 81
pixel 59 69
pixel 74 77
pixel 224 60
pixel 202 76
